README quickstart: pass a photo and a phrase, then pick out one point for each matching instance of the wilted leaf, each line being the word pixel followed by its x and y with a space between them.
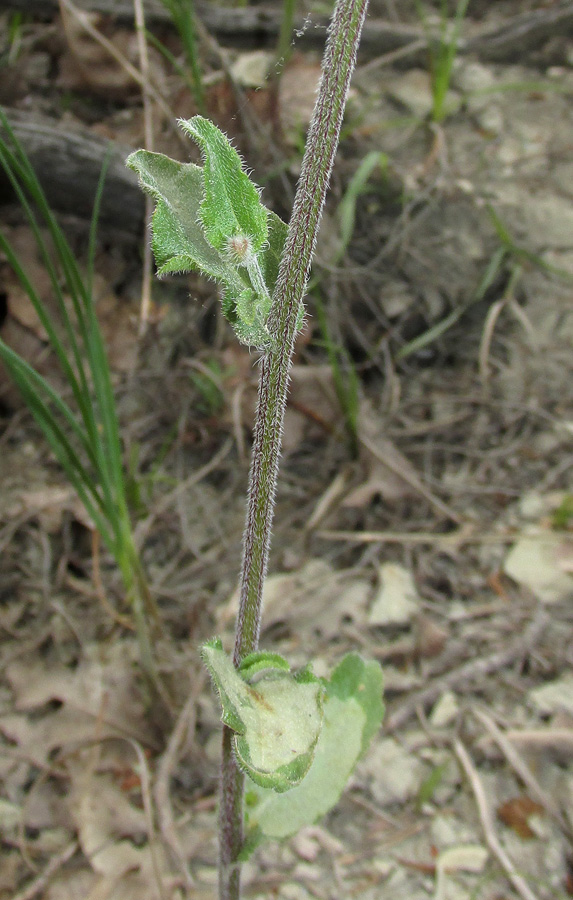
pixel 465 858
pixel 397 600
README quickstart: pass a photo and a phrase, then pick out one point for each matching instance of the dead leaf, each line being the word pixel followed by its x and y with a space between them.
pixel 388 473
pixel 119 323
pixel 536 562
pixel 313 408
pixel 465 858
pixel 397 601
pixel 315 597
pixel 46 503
pixel 515 813
pixel 554 696
pixel 431 638
pixel 19 305
pixel 100 690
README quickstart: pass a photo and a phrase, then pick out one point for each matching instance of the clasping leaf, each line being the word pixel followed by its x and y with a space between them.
pixel 353 711
pixel 276 716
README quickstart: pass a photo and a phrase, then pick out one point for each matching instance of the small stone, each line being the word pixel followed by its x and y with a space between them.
pixel 449 831
pixel 396 774
pixel 395 299
pixel 250 70
pixel 490 118
pixel 413 90
pixel 474 77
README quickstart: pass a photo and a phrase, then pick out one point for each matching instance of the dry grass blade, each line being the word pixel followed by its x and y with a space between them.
pixel 492 840
pixel 146 303
pixel 519 765
pixel 81 17
pixel 413 480
pixel 39 884
pixel 184 727
pixel 145 779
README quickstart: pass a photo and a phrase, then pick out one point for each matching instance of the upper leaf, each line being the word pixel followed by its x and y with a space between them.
pixel 180 242
pixel 276 718
pixel 231 205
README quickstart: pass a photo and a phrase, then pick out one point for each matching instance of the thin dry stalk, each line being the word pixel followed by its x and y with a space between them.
pixel 82 18
pixel 470 671
pixel 487 337
pixel 145 780
pixel 146 303
pixel 559 740
pixel 487 824
pixel 144 527
pixel 39 884
pixel 184 727
pixel 453 539
pixel 414 482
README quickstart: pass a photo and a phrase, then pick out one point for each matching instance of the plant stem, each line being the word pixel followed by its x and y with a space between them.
pixel 322 142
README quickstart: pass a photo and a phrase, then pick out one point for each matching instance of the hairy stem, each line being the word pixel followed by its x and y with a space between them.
pixel 322 142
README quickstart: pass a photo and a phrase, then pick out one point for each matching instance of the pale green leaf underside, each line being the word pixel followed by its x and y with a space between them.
pixel 275 815
pixel 276 719
pixel 353 712
pixel 179 244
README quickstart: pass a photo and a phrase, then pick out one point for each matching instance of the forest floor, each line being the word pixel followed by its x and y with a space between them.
pixel 425 506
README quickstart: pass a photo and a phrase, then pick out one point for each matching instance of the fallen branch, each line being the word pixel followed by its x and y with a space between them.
pixel 68 166
pixel 253 26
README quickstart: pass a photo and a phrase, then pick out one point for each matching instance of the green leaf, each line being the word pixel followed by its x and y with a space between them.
pixel 362 681
pixel 276 718
pixel 231 204
pixel 181 243
pixel 353 711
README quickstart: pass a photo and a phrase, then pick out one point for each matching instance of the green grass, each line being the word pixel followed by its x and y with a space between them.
pixel 82 430
pixel 345 378
pixel 356 187
pixel 442 50
pixel 182 13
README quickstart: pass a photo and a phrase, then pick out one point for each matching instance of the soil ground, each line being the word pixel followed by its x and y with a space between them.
pixel 425 504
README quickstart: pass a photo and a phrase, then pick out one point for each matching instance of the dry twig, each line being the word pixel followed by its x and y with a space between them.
pixel 184 726
pixel 38 884
pixel 491 837
pixel 521 768
pixel 475 668
pixel 145 309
